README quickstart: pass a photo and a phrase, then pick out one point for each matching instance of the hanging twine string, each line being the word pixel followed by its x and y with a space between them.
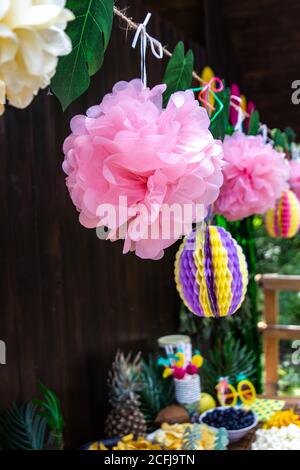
pixel 156 47
pixel 135 26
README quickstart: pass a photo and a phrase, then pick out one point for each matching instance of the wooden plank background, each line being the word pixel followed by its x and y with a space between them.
pixel 67 299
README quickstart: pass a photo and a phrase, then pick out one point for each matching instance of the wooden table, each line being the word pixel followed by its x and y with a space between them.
pixel 245 443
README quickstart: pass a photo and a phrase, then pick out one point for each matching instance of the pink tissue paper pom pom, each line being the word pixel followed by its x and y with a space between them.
pixel 294 180
pixel 129 146
pixel 255 175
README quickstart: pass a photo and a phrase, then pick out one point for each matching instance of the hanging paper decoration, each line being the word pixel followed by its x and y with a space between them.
pixel 294 180
pixel 235 101
pixel 207 74
pixel 284 219
pixel 255 175
pixel 244 103
pixel 249 110
pixel 31 39
pixel 130 147
pixel 211 273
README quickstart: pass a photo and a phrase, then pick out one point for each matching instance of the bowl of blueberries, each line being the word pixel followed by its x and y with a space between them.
pixel 236 420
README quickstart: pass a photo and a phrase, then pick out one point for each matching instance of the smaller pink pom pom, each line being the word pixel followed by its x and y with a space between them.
pixel 255 175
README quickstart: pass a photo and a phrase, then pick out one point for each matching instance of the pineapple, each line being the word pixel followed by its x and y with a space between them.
pixel 124 383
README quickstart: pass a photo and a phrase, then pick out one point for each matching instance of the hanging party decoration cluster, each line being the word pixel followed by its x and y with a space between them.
pixel 133 156
pixel 32 38
pixel 211 273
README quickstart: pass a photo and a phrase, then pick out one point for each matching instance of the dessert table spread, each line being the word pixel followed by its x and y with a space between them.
pixel 245 443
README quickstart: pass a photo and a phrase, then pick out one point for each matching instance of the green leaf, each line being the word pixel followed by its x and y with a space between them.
pixel 220 124
pixel 178 74
pixel 50 408
pixel 254 123
pixel 90 33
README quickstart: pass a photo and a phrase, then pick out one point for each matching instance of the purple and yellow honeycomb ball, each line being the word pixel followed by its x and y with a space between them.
pixel 211 273
pixel 284 219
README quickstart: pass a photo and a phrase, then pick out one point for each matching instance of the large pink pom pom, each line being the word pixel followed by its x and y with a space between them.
pixel 255 175
pixel 294 180
pixel 129 147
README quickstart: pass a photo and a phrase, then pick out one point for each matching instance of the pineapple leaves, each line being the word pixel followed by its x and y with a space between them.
pixel 90 33
pixel 23 428
pixel 156 394
pixel 178 74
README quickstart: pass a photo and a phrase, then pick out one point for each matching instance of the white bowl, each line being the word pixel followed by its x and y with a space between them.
pixel 233 434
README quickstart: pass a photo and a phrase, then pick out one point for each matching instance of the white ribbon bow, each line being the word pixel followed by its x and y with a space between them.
pixel 240 118
pixel 156 47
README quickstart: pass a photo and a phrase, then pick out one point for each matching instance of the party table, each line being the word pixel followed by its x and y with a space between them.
pixel 245 443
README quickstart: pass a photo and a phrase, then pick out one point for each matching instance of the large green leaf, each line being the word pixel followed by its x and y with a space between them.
pixel 23 428
pixel 178 74
pixel 90 33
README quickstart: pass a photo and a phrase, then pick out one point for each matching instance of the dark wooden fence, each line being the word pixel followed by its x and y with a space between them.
pixel 68 301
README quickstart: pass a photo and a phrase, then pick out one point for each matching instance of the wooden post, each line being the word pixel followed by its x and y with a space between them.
pixel 271 346
pixel 271 331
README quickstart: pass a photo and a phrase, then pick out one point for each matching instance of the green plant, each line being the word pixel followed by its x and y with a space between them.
pixel 23 428
pixel 90 34
pixel 156 394
pixel 50 410
pixel 227 360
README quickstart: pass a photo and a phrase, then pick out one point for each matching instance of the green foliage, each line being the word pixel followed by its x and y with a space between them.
pixel 280 140
pixel 23 428
pixel 290 135
pixel 279 255
pixel 191 437
pixel 156 394
pixel 178 74
pixel 289 374
pixel 49 408
pixel 220 125
pixel 227 360
pixel 90 33
pixel 254 123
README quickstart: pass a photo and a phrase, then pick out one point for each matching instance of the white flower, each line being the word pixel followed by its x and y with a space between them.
pixel 32 38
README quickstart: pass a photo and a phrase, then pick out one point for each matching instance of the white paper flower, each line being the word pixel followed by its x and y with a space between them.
pixel 32 38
